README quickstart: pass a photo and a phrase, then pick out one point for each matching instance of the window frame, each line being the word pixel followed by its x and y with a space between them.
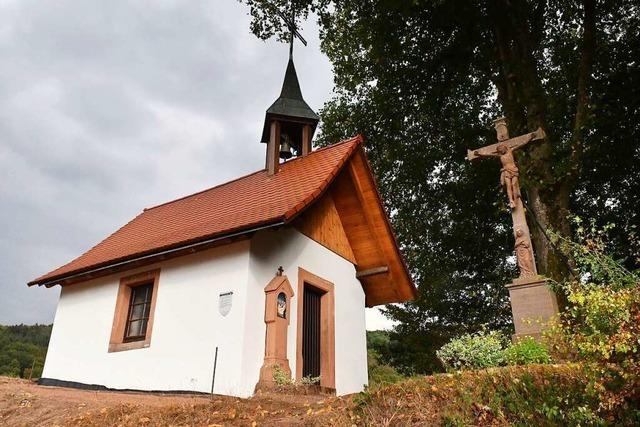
pixel 124 305
pixel 146 302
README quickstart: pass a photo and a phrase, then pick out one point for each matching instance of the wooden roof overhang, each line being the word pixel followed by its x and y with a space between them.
pixel 366 237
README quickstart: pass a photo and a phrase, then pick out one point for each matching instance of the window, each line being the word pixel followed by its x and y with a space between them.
pixel 133 317
pixel 139 308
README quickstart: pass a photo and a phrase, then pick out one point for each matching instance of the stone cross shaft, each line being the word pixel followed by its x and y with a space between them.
pixel 509 178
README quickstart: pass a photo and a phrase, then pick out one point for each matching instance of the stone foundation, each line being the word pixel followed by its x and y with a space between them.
pixel 533 304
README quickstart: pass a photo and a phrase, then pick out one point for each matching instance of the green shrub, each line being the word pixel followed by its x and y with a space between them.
pixel 526 351
pixel 280 376
pixel 535 395
pixel 282 379
pixel 473 351
pixel 309 380
pixel 381 374
pixel 601 324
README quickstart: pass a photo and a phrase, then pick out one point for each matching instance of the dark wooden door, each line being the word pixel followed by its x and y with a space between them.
pixel 311 333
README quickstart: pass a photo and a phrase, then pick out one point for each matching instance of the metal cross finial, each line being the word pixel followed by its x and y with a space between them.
pixel 293 29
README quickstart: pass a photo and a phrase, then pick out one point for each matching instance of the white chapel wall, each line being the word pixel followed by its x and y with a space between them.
pixel 291 249
pixel 187 328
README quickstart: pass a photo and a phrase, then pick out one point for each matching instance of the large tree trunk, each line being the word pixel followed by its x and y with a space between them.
pixel 551 212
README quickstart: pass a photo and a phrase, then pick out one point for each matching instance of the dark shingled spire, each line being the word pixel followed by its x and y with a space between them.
pixel 291 86
pixel 290 105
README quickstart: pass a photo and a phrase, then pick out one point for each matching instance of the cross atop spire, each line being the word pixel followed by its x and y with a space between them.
pixel 290 22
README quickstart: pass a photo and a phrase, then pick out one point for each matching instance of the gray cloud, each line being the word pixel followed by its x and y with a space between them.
pixel 110 107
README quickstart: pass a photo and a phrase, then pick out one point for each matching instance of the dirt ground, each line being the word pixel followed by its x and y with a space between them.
pixel 24 403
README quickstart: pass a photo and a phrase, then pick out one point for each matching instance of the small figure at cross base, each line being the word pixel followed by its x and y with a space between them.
pixel 523 255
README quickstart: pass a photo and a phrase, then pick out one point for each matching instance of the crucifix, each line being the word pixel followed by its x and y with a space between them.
pixel 504 150
pixel 293 29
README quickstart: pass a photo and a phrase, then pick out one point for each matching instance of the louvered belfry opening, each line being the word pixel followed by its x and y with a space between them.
pixel 311 331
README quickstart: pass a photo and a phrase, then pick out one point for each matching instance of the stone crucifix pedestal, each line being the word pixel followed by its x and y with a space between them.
pixel 533 303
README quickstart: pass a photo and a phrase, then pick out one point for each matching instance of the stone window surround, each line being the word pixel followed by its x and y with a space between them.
pixel 117 341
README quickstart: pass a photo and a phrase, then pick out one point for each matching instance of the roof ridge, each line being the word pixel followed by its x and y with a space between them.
pixel 357 137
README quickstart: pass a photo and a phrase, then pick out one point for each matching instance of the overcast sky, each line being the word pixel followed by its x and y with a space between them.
pixel 110 107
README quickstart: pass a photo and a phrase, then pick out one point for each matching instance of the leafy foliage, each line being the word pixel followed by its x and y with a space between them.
pixel 309 381
pixel 526 351
pixel 602 321
pixel 283 379
pixel 473 351
pixel 23 347
pixel 280 376
pixel 490 349
pixel 379 357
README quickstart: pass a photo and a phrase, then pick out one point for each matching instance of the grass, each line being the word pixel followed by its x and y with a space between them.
pixel 540 395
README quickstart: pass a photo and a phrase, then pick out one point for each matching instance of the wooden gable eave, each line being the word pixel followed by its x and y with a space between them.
pixel 379 264
pixel 322 224
pixel 399 278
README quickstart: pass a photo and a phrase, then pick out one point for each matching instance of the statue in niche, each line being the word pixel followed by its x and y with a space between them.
pixel 282 305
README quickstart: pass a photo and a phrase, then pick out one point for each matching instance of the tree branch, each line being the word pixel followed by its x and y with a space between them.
pixel 583 99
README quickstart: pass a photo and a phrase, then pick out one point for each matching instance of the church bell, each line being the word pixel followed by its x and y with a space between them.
pixel 285 147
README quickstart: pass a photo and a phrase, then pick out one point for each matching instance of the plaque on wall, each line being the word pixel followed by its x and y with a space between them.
pixel 282 305
pixel 224 303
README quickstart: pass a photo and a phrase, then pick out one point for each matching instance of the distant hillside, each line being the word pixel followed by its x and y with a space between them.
pixel 23 347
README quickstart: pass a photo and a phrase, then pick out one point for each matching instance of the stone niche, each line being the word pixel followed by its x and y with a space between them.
pixel 278 294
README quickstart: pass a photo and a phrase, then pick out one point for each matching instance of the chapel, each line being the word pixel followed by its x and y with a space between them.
pixel 215 291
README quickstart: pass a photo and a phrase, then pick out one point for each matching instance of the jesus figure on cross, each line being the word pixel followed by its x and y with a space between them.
pixel 509 171
pixel 509 175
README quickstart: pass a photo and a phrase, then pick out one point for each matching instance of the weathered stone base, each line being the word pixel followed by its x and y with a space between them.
pixel 533 304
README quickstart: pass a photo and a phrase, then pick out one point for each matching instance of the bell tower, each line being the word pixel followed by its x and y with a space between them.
pixel 289 123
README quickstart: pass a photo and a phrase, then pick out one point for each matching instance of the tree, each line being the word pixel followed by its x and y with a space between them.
pixel 23 347
pixel 423 79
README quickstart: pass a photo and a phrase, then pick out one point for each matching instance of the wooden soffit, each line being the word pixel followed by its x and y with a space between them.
pixel 322 223
pixel 350 220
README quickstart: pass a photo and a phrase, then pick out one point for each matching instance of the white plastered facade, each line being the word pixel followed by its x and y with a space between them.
pixel 188 325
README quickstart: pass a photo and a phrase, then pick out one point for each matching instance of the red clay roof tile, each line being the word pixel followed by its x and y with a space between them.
pixel 241 204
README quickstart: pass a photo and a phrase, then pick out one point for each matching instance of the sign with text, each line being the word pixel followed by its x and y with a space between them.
pixel 224 303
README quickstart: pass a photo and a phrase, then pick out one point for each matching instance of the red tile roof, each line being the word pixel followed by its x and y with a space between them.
pixel 242 204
